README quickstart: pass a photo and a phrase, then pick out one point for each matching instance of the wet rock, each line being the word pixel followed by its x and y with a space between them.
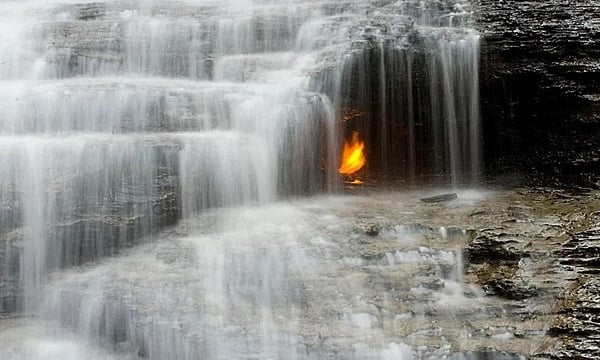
pixel 93 228
pixel 486 249
pixel 439 198
pixel 582 249
pixel 372 229
pixel 579 323
pixel 579 326
pixel 486 354
pixel 509 289
pixel 10 290
pixel 540 73
pixel 453 233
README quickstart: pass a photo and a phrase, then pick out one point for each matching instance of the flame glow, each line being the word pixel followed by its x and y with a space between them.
pixel 353 158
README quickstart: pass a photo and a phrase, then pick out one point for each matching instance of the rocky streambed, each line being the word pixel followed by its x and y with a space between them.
pixel 502 274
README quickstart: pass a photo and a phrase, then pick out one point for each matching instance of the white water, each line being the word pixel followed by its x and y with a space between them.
pixel 118 119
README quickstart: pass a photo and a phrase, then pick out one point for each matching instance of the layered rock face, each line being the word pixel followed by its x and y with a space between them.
pixel 540 87
pixel 540 69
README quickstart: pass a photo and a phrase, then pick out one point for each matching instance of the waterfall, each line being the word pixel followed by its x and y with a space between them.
pixel 119 119
pixel 415 98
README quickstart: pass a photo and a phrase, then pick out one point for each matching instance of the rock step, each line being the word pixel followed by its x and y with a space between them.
pixel 121 105
pixel 184 41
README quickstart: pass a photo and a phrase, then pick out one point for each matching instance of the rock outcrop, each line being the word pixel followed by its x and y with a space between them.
pixel 540 67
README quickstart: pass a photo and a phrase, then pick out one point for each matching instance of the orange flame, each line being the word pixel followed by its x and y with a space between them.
pixel 353 158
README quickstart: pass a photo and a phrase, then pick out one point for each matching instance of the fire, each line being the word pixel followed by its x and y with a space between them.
pixel 353 158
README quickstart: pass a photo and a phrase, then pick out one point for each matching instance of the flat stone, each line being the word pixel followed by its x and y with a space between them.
pixel 440 198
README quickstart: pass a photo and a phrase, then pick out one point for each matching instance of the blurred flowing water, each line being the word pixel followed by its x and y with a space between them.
pixel 150 152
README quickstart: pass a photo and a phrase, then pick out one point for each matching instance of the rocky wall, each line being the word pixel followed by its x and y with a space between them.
pixel 540 88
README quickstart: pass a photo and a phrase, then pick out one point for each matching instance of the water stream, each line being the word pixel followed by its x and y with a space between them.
pixel 153 154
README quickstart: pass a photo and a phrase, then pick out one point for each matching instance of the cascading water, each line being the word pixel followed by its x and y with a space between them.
pixel 120 118
pixel 409 81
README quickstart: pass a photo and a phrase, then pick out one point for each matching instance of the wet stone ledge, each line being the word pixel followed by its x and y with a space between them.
pixel 543 258
pixel 579 321
pixel 95 227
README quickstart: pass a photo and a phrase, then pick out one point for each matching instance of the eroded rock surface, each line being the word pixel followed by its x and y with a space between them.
pixel 540 72
pixel 543 257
